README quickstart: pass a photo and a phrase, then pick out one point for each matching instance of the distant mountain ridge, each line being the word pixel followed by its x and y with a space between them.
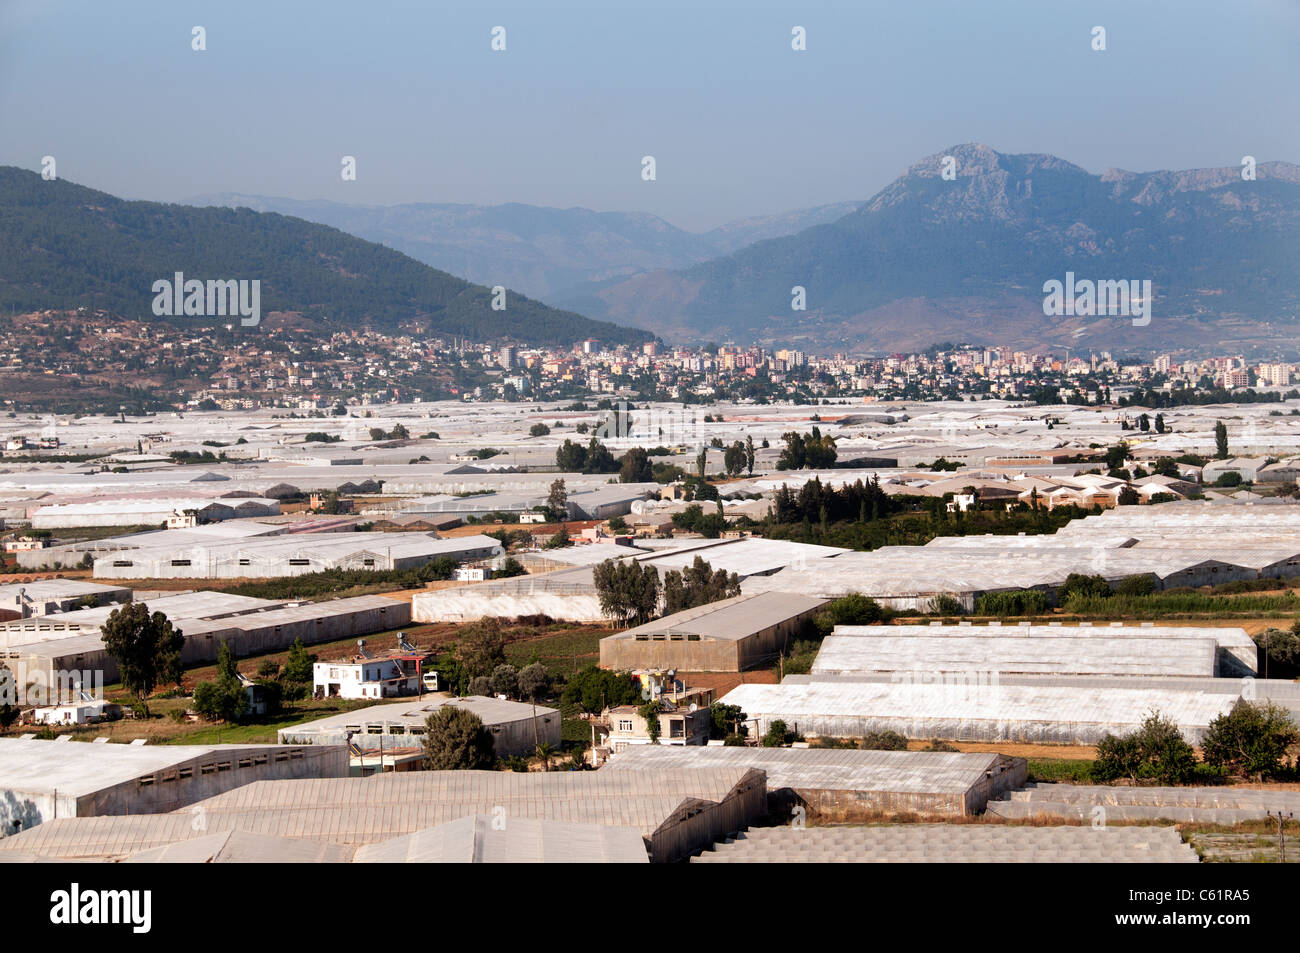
pixel 541 251
pixel 927 259
pixel 64 246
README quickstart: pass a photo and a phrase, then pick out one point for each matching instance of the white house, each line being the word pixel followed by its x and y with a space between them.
pixel 368 677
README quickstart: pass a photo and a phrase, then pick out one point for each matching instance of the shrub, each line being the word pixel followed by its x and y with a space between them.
pixel 1156 751
pixel 883 741
pixel 1135 586
pixel 1015 602
pixel 1250 740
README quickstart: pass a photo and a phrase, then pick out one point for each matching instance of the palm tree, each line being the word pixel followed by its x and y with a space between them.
pixel 546 751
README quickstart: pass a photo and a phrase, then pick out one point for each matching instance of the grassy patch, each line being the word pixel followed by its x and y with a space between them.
pixel 1060 770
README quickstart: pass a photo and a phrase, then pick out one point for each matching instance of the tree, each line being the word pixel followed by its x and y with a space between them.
pixel 1160 423
pixel 598 459
pixel 297 676
pixel 560 539
pixel 455 740
pixel 225 698
pixel 546 751
pixel 733 458
pixel 480 685
pixel 534 681
pixel 628 590
pixel 557 501
pixel 702 463
pixel 725 720
pixel 145 646
pixel 698 585
pixel 594 689
pixel 505 680
pixel 1220 440
pixel 1165 466
pixel 1251 739
pixel 480 647
pixel 570 457
pixel 1128 497
pixel 1156 751
pixel 1144 423
pixel 749 454
pixel 398 433
pixel 650 712
pixel 634 467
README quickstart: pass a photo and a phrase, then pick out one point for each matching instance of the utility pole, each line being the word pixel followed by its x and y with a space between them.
pixel 1281 833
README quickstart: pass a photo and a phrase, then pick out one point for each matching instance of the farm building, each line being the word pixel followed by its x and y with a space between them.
pixel 44 780
pixel 839 785
pixel 975 708
pixel 1173 545
pixel 1084 649
pixel 516 728
pixel 570 594
pixel 49 596
pixel 291 555
pixel 146 512
pixel 567 595
pixel 676 813
pixel 728 636
pixel 68 645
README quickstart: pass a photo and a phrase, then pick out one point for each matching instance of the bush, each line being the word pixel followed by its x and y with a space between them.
pixel 937 744
pixel 1250 740
pixel 883 741
pixel 1015 602
pixel 1157 751
pixel 1084 585
pixel 945 604
pixel 853 609
pixel 778 735
pixel 1136 586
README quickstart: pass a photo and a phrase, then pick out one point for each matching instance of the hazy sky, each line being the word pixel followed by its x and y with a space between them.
pixel 739 124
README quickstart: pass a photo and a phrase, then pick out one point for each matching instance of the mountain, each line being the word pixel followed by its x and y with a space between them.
pixel 64 246
pixel 541 251
pixel 927 259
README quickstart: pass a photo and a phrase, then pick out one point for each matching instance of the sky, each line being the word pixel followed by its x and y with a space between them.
pixel 739 124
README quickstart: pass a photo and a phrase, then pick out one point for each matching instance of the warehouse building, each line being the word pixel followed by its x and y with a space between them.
pixel 727 636
pixel 272 627
pixel 147 512
pixel 48 596
pixel 1054 649
pixel 44 780
pixel 1007 653
pixel 843 785
pixel 517 729
pixel 676 813
pixel 973 709
pixel 291 555
pixel 567 595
